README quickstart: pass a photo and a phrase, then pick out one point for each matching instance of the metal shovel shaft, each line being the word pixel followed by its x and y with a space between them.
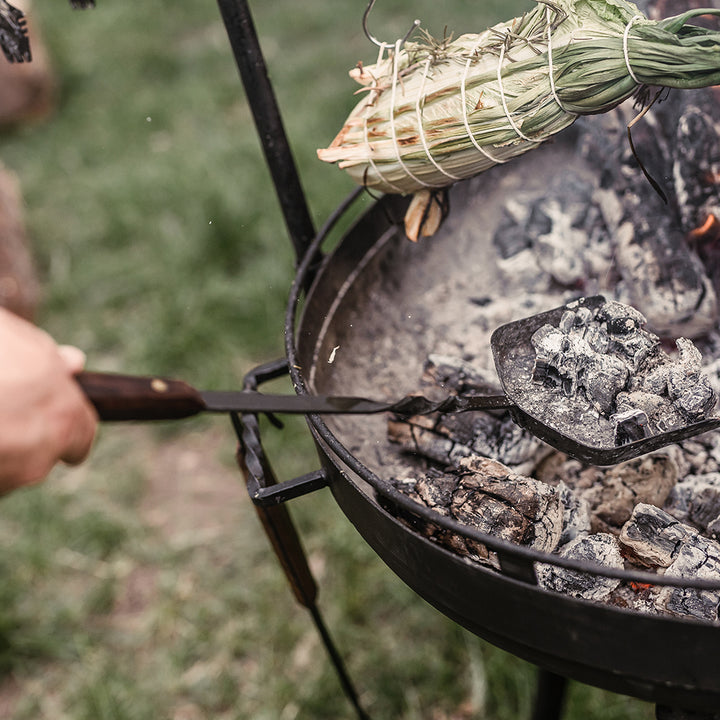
pixel 129 397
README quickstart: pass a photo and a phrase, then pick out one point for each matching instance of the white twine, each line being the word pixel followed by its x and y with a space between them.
pixel 366 133
pixel 626 48
pixel 466 121
pixel 551 66
pixel 515 126
pixel 393 131
pixel 421 130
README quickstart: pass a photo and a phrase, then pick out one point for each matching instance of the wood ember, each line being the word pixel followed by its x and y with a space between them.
pixel 446 439
pixel 449 438
pixel 653 537
pixel 647 479
pixel 657 539
pixel 599 549
pixel 699 560
pixel 620 369
pixel 494 500
pixel 562 230
pixel 576 514
pixel 696 500
pixel 652 261
pixel 638 597
pixel 532 240
pixel 487 496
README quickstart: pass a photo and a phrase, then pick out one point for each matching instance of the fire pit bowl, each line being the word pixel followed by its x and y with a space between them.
pixel 377 307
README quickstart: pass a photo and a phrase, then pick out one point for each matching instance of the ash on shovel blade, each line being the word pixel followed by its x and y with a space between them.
pixel 605 366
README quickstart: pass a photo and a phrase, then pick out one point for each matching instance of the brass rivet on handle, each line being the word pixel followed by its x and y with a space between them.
pixel 159 385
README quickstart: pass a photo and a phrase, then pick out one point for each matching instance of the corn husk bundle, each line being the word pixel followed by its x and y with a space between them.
pixel 436 112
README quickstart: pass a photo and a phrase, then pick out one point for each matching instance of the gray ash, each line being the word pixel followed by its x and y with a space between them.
pixel 608 358
pixel 516 243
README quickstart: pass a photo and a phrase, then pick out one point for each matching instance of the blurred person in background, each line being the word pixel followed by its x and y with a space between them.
pixel 45 418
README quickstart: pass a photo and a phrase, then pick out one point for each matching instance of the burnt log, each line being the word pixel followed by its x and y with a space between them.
pixel 653 537
pixel 696 500
pixel 656 539
pixel 598 549
pixel 663 276
pixel 487 496
pixel 576 514
pixel 494 500
pixel 612 498
pixel 698 560
pixel 447 438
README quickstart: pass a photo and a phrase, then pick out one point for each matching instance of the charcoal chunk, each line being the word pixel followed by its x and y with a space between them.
pixel 653 537
pixel 598 549
pixel 510 238
pixel 698 560
pixel 619 368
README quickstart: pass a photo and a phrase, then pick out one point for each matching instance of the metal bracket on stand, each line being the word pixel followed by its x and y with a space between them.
pixel 278 524
pixel 273 515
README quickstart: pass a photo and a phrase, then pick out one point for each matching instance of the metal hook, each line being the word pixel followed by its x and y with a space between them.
pixel 373 39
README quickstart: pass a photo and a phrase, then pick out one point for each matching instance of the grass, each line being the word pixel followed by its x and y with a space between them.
pixel 140 585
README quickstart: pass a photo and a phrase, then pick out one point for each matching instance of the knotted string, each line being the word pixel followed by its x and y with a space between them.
pixel 463 94
pixel 421 129
pixel 551 66
pixel 626 48
pixel 366 133
pixel 515 126
pixel 463 98
pixel 393 130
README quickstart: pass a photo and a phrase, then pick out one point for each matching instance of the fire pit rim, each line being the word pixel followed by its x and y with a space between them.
pixel 309 275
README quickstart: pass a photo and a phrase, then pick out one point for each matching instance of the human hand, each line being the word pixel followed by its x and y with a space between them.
pixel 45 418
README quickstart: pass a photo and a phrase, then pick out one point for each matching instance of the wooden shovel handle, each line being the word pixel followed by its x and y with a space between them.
pixel 133 397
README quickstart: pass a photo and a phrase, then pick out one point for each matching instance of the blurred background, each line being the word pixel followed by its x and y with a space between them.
pixel 140 585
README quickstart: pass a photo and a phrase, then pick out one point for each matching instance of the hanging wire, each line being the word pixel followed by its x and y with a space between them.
pixel 373 39
pixel 654 183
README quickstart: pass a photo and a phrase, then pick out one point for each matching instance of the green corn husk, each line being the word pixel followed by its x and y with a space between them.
pixel 410 132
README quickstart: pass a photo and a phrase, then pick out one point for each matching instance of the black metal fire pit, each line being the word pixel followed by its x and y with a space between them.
pixel 669 661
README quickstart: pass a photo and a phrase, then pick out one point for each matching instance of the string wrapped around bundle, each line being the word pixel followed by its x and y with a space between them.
pixel 436 112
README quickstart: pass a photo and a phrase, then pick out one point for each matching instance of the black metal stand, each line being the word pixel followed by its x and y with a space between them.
pixel 261 97
pixel 278 524
pixel 263 104
pixel 550 696
pixel 276 520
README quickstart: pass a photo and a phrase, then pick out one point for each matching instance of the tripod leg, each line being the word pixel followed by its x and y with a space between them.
pixel 550 696
pixel 281 531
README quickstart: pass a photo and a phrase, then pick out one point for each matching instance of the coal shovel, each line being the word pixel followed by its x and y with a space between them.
pixel 565 423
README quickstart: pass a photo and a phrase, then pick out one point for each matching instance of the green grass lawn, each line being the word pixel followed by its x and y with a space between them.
pixel 140 585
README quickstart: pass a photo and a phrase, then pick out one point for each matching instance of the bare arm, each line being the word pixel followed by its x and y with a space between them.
pixel 44 416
